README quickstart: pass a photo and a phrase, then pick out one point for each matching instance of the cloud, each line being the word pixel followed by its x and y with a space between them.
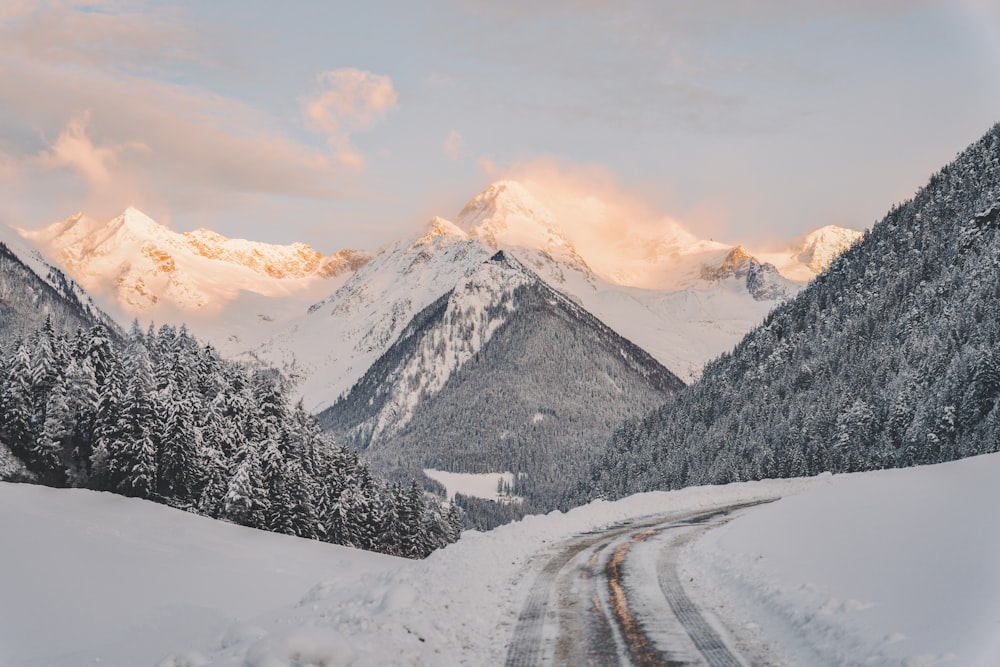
pixel 350 100
pixel 91 117
pixel 489 166
pixel 454 146
pixel 74 149
pixel 137 141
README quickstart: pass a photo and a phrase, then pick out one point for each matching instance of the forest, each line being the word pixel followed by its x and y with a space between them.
pixel 161 417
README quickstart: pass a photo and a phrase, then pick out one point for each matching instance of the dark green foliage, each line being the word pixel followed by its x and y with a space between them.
pixel 482 514
pixel 891 358
pixel 168 420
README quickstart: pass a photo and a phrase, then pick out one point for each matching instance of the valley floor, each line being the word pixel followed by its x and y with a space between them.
pixel 895 567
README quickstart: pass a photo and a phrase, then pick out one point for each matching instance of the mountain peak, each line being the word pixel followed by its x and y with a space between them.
pixel 507 215
pixel 439 227
pixel 819 248
pixel 501 204
pixel 138 222
pixel 736 258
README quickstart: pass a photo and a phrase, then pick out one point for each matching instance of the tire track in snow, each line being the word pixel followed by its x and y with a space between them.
pixel 528 646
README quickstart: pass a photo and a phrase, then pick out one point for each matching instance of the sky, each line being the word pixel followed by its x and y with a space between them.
pixel 350 124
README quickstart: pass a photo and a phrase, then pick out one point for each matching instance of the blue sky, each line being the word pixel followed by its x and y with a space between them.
pixel 348 124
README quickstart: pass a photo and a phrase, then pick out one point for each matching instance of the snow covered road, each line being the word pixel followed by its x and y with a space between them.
pixel 595 602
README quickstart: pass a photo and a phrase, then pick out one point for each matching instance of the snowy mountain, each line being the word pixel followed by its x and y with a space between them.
pixel 325 319
pixel 813 253
pixel 330 347
pixel 502 373
pixel 682 300
pixel 32 289
pixel 221 287
pixel 586 237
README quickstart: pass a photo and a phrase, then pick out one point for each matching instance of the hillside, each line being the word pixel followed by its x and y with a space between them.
pixel 95 578
pixel 32 290
pixel 887 359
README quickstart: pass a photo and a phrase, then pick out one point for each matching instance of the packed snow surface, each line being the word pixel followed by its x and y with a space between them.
pixel 896 567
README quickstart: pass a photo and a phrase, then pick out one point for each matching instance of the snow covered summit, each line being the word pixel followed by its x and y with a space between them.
pixel 147 269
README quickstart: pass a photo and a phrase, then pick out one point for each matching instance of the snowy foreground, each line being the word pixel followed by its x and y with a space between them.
pixel 895 567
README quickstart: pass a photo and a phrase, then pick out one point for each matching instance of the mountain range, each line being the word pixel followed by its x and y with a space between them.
pixel 224 288
pixel 682 299
pixel 502 373
pixel 684 302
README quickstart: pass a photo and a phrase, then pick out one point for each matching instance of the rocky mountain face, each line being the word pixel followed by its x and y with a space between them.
pixel 501 373
pixel 888 359
pixel 762 281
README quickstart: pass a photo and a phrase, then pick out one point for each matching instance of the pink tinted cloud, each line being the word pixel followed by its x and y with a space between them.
pixel 170 143
pixel 75 149
pixel 349 100
pixel 454 146
pixel 86 83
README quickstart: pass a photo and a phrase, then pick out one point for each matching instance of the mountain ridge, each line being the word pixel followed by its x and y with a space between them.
pixel 146 267
pixel 32 289
pixel 677 300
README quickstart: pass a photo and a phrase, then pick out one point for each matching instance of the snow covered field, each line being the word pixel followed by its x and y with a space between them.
pixel 474 485
pixel 95 578
pixel 895 567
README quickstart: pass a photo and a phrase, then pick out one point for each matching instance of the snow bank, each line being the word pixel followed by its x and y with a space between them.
pixel 94 578
pixel 898 567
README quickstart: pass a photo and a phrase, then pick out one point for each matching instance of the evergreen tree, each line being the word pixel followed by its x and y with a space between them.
pixel 80 389
pixel 180 475
pixel 245 494
pixel 148 422
pixel 18 428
